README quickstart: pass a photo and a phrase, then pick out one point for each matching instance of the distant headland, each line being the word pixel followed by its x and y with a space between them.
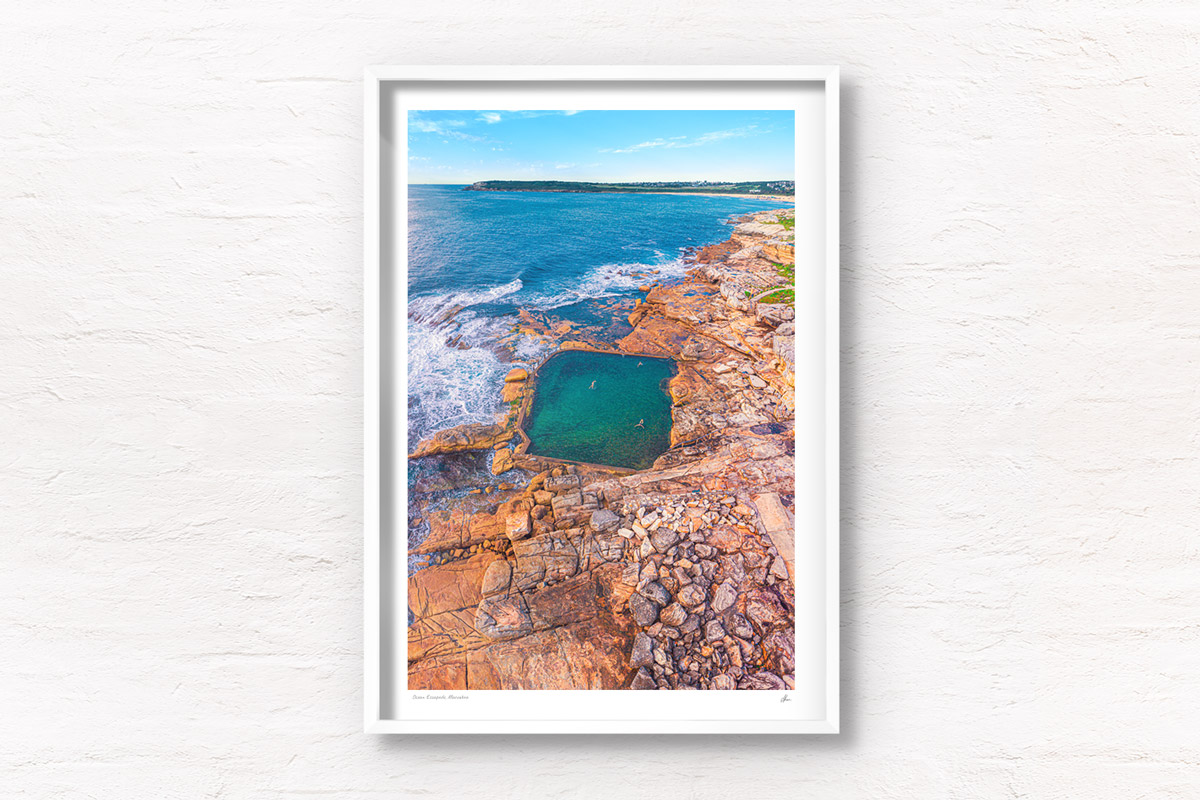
pixel 743 188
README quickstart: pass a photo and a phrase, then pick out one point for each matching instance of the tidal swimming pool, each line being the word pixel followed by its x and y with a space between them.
pixel 601 408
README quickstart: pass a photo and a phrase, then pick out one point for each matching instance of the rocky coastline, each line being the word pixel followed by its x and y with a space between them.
pixel 576 576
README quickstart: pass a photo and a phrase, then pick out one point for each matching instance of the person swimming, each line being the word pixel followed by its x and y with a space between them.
pixel 593 386
pixel 639 363
pixel 641 423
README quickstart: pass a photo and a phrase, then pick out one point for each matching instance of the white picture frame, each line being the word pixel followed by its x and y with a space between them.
pixel 388 708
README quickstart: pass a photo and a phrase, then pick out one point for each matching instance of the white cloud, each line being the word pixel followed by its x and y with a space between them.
pixel 443 127
pixel 490 117
pixel 683 141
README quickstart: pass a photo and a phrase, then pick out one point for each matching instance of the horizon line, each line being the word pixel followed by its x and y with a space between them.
pixel 589 180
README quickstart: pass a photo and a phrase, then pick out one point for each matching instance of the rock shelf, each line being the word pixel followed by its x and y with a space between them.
pixel 679 576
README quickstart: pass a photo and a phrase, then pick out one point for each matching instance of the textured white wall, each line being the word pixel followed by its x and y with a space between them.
pixel 180 201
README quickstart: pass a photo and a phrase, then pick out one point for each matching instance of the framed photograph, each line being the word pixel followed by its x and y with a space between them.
pixel 601 400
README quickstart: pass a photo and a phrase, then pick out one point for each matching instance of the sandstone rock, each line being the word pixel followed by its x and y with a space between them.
pixel 585 655
pixel 543 558
pixel 725 538
pixel 564 503
pixel 673 615
pixel 448 587
pixel 608 546
pixel 779 646
pixel 777 523
pixel 497 578
pixel 572 601
pixel 447 673
pixel 516 374
pixel 512 391
pixel 723 682
pixel 765 608
pixel 562 483
pixel 740 626
pixel 503 617
pixel 774 314
pixel 643 651
pixel 724 597
pixel 502 461
pixel 779 251
pixel 604 520
pixel 643 680
pixel 542 497
pixel 625 532
pixel 714 631
pixel 663 538
pixel 473 436
pixel 517 525
pixel 691 595
pixel 762 680
pixel 643 611
pixel 656 592
pixel 646 548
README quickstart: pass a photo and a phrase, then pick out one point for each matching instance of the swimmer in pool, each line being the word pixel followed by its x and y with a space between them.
pixel 593 386
pixel 641 424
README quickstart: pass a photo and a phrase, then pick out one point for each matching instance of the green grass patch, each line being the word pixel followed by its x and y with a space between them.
pixel 780 296
pixel 785 271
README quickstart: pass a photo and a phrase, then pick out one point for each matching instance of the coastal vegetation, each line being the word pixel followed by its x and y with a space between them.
pixel 783 294
pixel 651 187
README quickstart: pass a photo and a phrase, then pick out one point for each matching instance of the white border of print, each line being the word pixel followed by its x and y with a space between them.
pixel 812 91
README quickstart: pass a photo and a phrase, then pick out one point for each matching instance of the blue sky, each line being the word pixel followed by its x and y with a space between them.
pixel 469 146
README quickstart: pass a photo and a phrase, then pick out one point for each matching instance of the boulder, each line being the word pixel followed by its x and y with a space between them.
pixel 473 436
pixel 517 525
pixel 723 682
pixel 604 520
pixel 663 538
pixel 502 461
pixel 643 611
pixel 691 595
pixel 773 315
pixel 497 578
pixel 656 592
pixel 515 375
pixel 673 615
pixel 643 651
pixel 643 680
pixel 725 538
pixel 724 597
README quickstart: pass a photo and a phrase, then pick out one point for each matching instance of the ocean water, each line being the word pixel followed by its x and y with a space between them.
pixel 602 409
pixel 475 259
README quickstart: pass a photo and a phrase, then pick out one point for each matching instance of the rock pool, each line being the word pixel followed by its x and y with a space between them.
pixel 601 408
